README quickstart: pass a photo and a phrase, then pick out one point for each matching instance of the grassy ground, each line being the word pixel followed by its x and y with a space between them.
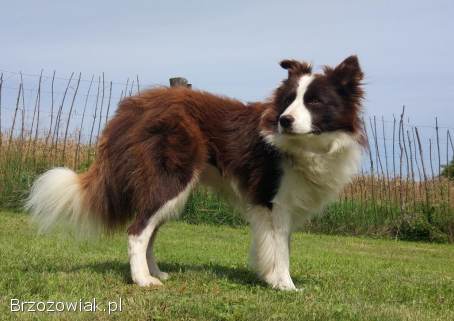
pixel 343 278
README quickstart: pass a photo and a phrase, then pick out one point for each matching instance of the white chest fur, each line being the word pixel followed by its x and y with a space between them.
pixel 311 180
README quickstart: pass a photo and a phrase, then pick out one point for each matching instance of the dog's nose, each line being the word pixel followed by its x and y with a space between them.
pixel 286 121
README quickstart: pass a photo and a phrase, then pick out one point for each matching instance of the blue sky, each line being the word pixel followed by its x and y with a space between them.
pixel 233 47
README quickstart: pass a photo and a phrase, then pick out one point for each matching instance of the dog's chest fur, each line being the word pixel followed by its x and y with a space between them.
pixel 310 181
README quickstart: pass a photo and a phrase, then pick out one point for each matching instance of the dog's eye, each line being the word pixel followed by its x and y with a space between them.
pixel 314 100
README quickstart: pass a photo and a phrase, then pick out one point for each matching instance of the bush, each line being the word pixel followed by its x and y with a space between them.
pixel 448 170
pixel 416 227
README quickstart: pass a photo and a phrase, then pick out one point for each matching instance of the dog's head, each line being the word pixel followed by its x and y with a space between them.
pixel 311 111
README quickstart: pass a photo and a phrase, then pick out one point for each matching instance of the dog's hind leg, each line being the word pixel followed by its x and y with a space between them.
pixel 151 260
pixel 137 246
pixel 144 270
pixel 165 167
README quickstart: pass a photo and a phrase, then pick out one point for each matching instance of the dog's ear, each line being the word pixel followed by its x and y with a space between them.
pixel 348 73
pixel 289 64
pixel 295 67
pixel 347 79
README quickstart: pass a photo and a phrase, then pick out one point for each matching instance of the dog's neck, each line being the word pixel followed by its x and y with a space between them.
pixel 334 165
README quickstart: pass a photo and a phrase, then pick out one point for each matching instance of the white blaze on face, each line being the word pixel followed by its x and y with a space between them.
pixel 302 117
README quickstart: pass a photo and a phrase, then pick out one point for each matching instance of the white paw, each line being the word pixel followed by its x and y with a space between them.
pixel 155 271
pixel 280 282
pixel 285 287
pixel 162 275
pixel 147 281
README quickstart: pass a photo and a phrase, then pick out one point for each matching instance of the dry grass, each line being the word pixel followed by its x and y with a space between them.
pixel 404 192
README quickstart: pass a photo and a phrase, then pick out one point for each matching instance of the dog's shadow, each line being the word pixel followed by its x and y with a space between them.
pixel 239 275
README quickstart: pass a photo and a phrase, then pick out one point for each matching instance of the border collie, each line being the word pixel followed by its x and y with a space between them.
pixel 280 161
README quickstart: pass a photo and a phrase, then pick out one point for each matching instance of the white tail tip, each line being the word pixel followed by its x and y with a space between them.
pixel 56 198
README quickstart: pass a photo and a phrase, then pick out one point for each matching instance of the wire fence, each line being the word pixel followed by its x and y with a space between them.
pixel 48 120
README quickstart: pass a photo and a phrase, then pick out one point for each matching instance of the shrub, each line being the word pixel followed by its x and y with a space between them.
pixel 448 170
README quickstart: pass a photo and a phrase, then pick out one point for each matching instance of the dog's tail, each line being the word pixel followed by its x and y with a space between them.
pixel 60 196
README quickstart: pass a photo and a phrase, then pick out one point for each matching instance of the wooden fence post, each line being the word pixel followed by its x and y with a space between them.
pixel 179 81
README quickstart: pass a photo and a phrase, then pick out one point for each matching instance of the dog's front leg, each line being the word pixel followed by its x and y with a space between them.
pixel 270 246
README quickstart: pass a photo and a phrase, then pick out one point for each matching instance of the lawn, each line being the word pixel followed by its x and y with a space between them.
pixel 342 278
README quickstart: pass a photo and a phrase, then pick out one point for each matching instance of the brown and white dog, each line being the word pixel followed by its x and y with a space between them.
pixel 280 161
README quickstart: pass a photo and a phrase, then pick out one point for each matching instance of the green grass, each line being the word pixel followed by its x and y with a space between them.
pixel 342 278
